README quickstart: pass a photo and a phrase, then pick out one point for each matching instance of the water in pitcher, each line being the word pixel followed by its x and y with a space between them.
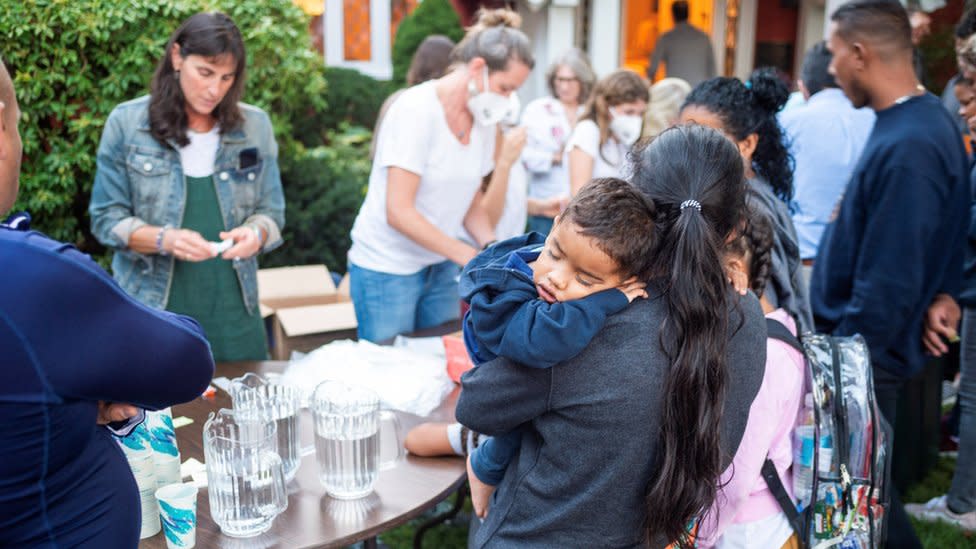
pixel 243 497
pixel 348 467
pixel 288 447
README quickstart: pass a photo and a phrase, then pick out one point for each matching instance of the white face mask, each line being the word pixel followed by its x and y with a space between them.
pixel 487 107
pixel 626 127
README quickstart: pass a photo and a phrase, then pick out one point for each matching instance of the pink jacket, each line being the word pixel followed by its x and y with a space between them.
pixel 744 496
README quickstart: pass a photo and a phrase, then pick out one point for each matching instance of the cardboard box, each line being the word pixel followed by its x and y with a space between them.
pixel 307 310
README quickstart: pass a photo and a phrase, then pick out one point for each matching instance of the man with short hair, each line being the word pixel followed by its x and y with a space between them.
pixel 75 351
pixel 826 136
pixel 965 29
pixel 686 51
pixel 890 262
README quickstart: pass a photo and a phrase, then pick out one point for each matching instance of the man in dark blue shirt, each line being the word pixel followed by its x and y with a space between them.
pixel 896 245
pixel 71 343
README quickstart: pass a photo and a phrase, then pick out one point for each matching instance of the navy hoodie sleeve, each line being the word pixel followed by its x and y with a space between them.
pixel 93 340
pixel 905 215
pixel 519 326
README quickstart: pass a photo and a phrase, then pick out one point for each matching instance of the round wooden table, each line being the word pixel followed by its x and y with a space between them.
pixel 314 519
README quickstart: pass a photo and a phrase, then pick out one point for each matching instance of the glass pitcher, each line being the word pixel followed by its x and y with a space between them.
pixel 347 438
pixel 245 477
pixel 252 394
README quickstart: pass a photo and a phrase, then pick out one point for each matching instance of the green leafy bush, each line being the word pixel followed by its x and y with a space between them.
pixel 74 60
pixel 430 17
pixel 352 97
pixel 324 187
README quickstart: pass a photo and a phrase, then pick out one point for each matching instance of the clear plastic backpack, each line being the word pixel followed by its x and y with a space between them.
pixel 841 448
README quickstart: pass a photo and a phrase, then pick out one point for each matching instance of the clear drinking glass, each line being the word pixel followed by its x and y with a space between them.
pixel 279 403
pixel 245 477
pixel 347 438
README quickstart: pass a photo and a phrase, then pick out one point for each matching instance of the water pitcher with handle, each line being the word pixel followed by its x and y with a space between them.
pixel 347 438
pixel 253 394
pixel 245 475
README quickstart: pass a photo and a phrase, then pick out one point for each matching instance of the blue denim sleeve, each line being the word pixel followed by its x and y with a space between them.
pixel 111 200
pixel 271 199
pixel 538 334
pixel 490 459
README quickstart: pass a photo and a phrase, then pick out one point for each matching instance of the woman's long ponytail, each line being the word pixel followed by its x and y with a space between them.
pixel 699 203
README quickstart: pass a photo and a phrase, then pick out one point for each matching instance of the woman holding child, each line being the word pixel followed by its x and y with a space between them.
pixel 188 174
pixel 435 146
pixel 623 444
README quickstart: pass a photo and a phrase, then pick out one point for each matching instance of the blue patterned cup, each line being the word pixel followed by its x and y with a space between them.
pixel 178 513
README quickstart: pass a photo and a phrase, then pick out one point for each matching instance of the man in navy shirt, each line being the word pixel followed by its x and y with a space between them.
pixel 73 343
pixel 894 251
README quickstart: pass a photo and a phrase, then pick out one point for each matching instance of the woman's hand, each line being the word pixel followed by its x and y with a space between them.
pixel 187 245
pixel 512 144
pixel 246 242
pixel 480 493
pixel 547 207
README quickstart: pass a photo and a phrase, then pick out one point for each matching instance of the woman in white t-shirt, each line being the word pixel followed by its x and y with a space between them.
pixel 549 121
pixel 610 125
pixel 435 146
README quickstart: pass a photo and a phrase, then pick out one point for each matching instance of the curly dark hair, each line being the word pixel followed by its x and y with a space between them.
pixel 209 35
pixel 754 244
pixel 751 108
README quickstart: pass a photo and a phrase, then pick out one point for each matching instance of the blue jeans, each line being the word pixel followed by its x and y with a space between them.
pixel 962 493
pixel 540 224
pixel 490 459
pixel 388 304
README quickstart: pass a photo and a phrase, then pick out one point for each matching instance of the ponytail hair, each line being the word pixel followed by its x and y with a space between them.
pixel 496 38
pixel 750 108
pixel 694 175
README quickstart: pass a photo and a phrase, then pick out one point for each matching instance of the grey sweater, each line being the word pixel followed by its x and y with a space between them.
pixel 591 428
pixel 785 288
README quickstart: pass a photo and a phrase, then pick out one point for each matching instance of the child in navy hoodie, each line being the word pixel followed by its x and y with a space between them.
pixel 539 301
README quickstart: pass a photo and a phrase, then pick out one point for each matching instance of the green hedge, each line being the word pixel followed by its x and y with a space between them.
pixel 324 187
pixel 430 17
pixel 352 98
pixel 74 60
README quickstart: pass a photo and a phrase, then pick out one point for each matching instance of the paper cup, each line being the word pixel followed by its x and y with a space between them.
pixel 161 434
pixel 178 513
pixel 167 470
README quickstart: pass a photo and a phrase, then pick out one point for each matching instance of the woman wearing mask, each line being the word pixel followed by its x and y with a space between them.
pixel 436 144
pixel 609 126
pixel 188 174
pixel 746 114
pixel 549 122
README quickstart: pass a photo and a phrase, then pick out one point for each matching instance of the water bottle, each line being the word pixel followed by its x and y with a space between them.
pixel 803 445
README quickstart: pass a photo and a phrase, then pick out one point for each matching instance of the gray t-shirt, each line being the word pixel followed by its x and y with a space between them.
pixel 590 429
pixel 686 53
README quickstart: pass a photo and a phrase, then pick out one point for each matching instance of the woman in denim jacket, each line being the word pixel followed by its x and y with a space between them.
pixel 181 171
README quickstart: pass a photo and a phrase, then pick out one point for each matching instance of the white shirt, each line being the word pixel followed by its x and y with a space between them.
pixel 612 161
pixel 199 158
pixel 515 214
pixel 547 131
pixel 415 137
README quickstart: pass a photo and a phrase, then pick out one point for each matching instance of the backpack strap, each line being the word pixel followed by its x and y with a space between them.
pixel 778 331
pixel 771 476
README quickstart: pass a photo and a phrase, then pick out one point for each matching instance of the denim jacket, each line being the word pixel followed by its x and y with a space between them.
pixel 140 181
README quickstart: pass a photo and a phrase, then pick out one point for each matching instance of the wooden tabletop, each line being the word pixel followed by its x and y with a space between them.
pixel 314 519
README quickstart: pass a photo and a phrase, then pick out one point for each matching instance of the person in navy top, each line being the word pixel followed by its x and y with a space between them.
pixel 539 301
pixel 77 352
pixel 893 256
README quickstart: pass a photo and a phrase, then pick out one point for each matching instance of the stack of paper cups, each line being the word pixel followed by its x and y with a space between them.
pixel 166 454
pixel 138 452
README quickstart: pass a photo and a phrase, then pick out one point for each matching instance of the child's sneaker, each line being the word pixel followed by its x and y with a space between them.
pixel 937 509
